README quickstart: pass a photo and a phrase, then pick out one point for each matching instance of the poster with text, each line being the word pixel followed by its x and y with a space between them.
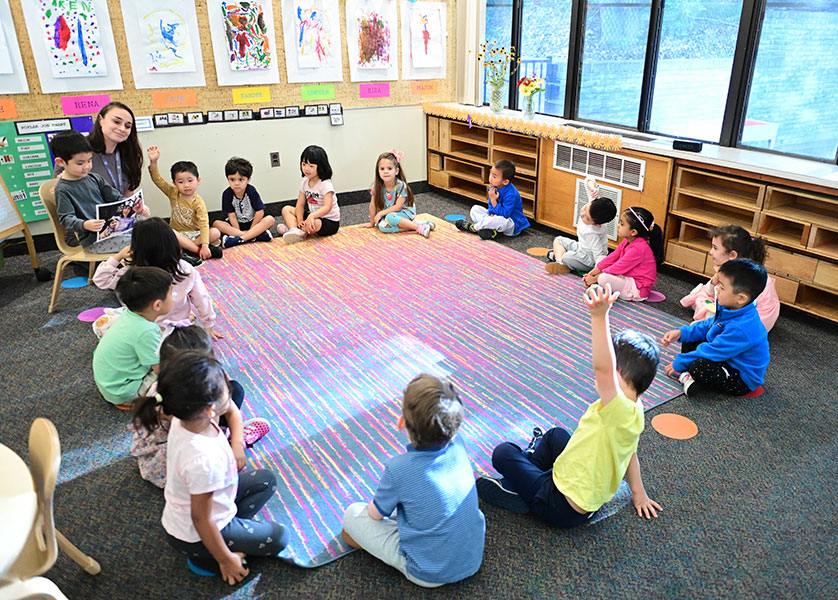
pixel 312 40
pixel 243 41
pixel 424 32
pixel 164 43
pixel 72 44
pixel 372 39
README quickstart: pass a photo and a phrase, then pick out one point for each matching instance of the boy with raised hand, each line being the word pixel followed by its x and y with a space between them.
pixel 126 361
pixel 189 219
pixel 564 479
pixel 424 519
pixel 728 352
pixel 505 212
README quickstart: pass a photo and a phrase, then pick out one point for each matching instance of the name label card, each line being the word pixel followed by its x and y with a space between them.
pixel 8 110
pixel 374 90
pixel 310 93
pixel 250 95
pixel 173 98
pixel 424 88
pixel 84 105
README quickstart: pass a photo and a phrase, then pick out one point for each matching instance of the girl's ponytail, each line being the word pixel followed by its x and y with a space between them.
pixel 145 412
pixel 656 242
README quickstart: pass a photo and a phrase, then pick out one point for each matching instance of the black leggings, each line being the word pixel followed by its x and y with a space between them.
pixel 715 376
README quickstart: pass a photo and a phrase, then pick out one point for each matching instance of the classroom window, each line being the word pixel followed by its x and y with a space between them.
pixel 695 57
pixel 499 29
pixel 545 33
pixel 613 58
pixel 793 101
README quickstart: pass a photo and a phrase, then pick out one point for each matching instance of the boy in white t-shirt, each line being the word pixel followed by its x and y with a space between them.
pixel 569 255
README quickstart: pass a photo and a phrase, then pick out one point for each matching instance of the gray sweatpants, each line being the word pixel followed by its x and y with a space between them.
pixel 576 257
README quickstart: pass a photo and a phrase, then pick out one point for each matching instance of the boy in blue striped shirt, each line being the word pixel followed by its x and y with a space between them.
pixel 424 519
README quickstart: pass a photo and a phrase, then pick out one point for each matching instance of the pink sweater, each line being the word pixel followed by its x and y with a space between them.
pixel 635 260
pixel 188 292
pixel 703 299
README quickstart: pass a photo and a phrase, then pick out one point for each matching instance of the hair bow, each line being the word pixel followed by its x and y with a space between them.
pixel 399 155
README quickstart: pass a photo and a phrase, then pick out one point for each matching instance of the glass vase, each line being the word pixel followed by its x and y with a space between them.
pixel 529 107
pixel 496 93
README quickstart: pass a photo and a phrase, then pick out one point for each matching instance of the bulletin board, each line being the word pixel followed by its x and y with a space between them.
pixel 212 97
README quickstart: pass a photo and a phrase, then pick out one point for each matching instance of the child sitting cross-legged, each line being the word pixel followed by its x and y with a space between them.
pixel 149 442
pixel 126 361
pixel 505 212
pixel 424 519
pixel 246 218
pixel 727 352
pixel 562 478
pixel 570 255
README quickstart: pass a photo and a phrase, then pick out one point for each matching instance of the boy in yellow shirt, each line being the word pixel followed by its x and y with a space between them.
pixel 189 219
pixel 562 478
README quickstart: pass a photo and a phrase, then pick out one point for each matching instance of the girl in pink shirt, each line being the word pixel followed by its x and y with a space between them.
pixel 729 242
pixel 632 269
pixel 154 244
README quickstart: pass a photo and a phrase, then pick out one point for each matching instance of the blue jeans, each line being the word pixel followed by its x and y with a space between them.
pixel 531 475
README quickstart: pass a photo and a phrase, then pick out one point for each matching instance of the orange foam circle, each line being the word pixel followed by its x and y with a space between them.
pixel 538 251
pixel 674 426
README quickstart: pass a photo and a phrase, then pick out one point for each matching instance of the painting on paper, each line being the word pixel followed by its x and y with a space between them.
pixel 247 35
pixel 426 37
pixel 315 27
pixel 374 30
pixel 5 54
pixel 166 39
pixel 70 30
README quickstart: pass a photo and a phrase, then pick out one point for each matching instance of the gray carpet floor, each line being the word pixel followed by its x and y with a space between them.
pixel 748 505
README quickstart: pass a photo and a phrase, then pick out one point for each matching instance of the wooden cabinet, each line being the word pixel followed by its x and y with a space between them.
pixel 799 227
pixel 460 156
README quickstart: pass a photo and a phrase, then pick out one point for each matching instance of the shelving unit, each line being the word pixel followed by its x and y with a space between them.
pixel 460 156
pixel 799 227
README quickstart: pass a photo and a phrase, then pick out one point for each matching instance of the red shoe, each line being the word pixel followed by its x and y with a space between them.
pixel 755 393
pixel 254 430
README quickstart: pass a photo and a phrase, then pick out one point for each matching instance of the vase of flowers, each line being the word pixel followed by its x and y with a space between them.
pixel 497 61
pixel 529 87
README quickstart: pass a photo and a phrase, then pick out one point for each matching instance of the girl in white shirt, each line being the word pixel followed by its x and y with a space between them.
pixel 209 509
pixel 316 211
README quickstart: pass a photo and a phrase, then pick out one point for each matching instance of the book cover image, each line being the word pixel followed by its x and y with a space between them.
pixel 119 216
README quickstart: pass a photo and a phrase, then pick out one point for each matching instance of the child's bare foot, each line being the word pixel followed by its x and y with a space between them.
pixel 348 539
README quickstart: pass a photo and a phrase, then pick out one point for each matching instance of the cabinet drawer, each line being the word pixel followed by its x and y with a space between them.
pixel 433 133
pixel 788 263
pixel 786 289
pixel 826 274
pixel 434 162
pixel 685 257
pixel 438 178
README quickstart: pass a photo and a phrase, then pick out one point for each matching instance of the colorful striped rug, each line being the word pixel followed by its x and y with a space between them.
pixel 325 334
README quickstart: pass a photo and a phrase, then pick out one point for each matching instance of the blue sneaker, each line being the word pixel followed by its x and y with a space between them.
pixel 265 236
pixel 492 491
pixel 232 240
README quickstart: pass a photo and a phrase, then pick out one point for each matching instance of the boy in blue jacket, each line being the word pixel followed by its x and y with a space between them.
pixel 728 352
pixel 505 212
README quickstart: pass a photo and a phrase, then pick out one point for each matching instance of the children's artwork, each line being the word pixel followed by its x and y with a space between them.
pixel 119 216
pixel 12 75
pixel 424 31
pixel 372 29
pixel 247 39
pixel 166 41
pixel 70 30
pixel 312 40
pixel 163 41
pixel 425 36
pixel 5 55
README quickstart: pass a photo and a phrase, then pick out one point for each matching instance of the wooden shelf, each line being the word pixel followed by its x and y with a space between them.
pixel 823 242
pixel 787 233
pixel 477 135
pixel 469 151
pixel 523 165
pixel 719 216
pixel 467 188
pixel 817 302
pixel 462 138
pixel 823 216
pixel 515 144
pixel 467 171
pixel 719 188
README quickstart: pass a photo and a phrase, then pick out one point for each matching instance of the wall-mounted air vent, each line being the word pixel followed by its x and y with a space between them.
pixel 613 168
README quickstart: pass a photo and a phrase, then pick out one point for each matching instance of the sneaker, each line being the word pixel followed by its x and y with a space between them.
pixel 265 236
pixel 292 236
pixel 431 225
pixel 551 256
pixel 492 491
pixel 591 188
pixel 690 388
pixel 254 430
pixel 556 268
pixel 281 229
pixel 464 225
pixel 424 230
pixel 195 261
pixel 537 434
pixel 232 240
pixel 487 234
pixel 216 251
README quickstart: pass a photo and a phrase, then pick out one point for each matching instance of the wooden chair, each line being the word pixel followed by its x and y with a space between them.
pixel 71 253
pixel 41 549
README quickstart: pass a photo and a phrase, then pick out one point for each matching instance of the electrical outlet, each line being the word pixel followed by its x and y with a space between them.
pixel 274 159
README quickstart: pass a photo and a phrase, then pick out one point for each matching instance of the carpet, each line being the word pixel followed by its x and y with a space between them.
pixel 325 334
